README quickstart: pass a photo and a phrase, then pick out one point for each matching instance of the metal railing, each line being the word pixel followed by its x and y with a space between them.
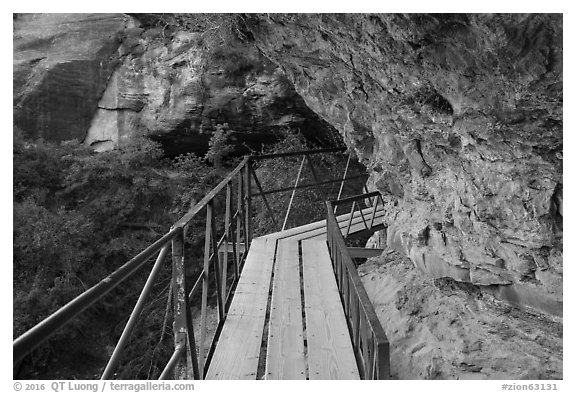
pixel 186 362
pixel 371 347
pixel 371 199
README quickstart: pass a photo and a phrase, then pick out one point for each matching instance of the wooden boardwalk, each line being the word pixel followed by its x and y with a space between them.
pixel 286 319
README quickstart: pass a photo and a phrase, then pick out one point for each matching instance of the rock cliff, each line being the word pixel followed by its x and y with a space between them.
pixel 62 63
pixel 459 119
pixel 442 329
pixel 102 78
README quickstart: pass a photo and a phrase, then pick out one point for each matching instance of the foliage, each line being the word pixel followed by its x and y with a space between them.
pixel 79 215
pixel 220 146
pixel 234 61
pixel 308 203
pixel 50 253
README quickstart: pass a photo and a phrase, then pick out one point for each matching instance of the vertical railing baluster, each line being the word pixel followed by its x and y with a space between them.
pixel 343 272
pixel 349 296
pixel 374 208
pixel 217 274
pixel 370 357
pixel 238 226
pixel 226 236
pixel 345 289
pixel 204 304
pixel 365 347
pixel 248 217
pixel 374 363
pixel 361 343
pixel 192 353
pixel 356 322
pixel 337 265
pixel 179 324
pixel 362 216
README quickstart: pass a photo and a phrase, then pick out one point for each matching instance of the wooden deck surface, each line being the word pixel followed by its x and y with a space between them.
pixel 289 275
pixel 285 352
pixel 317 230
pixel 238 350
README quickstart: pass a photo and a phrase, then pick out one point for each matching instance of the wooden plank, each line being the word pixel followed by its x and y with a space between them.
pixel 285 354
pixel 318 228
pixel 330 352
pixel 317 225
pixel 357 226
pixel 238 349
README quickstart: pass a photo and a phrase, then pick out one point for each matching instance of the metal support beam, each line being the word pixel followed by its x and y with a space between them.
pixel 360 252
pixel 113 362
pixel 343 180
pixel 270 211
pixel 293 192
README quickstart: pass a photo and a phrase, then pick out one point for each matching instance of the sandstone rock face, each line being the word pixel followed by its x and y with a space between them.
pixel 173 87
pixel 62 63
pixel 103 78
pixel 459 118
pixel 441 329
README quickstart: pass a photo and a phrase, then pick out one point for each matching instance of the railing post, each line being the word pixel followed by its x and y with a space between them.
pixel 220 297
pixel 191 354
pixel 180 311
pixel 227 223
pixel 374 207
pixel 239 208
pixel 248 212
pixel 205 277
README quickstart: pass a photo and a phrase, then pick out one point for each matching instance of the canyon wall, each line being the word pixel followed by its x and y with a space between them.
pixel 105 78
pixel 459 119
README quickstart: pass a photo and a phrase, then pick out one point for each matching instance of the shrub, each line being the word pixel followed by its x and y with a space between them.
pixel 220 146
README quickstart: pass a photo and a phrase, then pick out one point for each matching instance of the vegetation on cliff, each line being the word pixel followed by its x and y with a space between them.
pixel 79 215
